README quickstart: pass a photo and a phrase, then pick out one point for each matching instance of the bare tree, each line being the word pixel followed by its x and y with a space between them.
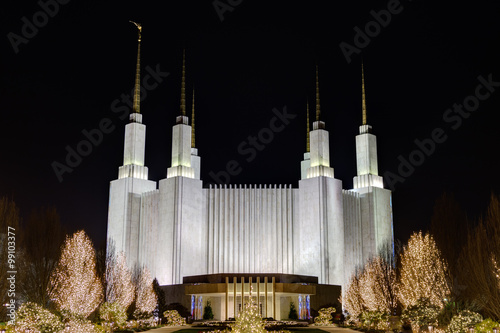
pixel 9 217
pixel 42 238
pixel 477 274
pixel 352 298
pixel 119 285
pixel 449 230
pixel 379 286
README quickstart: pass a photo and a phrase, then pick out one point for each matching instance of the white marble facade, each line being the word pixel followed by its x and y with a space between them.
pixel 178 228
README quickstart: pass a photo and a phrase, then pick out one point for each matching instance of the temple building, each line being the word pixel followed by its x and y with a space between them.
pixel 226 243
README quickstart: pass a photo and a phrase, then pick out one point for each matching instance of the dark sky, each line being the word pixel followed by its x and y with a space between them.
pixel 262 55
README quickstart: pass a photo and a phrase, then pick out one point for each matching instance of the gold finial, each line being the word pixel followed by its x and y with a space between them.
pixel 183 84
pixel 137 87
pixel 192 123
pixel 363 102
pixel 308 148
pixel 317 95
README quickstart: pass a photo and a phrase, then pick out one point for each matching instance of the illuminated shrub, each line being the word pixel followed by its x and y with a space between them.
pixel 113 313
pixel 173 318
pixel 486 326
pixel 32 317
pixel 463 321
pixel 422 314
pixel 325 316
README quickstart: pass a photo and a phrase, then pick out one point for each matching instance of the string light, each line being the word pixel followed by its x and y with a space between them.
pixel 352 299
pixel 76 288
pixel 423 272
pixel 146 297
pixel 249 319
pixel 174 318
pixel 120 288
pixel 378 286
pixel 31 317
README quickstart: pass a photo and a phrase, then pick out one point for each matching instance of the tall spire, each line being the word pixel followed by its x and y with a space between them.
pixel 363 102
pixel 192 123
pixel 308 148
pixel 317 95
pixel 183 84
pixel 137 87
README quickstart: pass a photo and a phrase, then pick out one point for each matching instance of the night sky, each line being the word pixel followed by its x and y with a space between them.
pixel 71 74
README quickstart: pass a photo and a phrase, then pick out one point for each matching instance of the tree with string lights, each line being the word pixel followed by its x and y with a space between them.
pixel 249 320
pixel 146 300
pixel 120 288
pixel 352 299
pixel 378 286
pixel 75 287
pixel 423 272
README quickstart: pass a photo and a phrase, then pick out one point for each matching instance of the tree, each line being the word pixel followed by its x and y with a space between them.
pixel 449 230
pixel 41 243
pixel 9 217
pixel 74 285
pixel 145 301
pixel 378 286
pixel 423 272
pixel 477 274
pixel 352 298
pixel 207 312
pixel 119 285
pixel 249 320
pixel 161 305
pixel 292 314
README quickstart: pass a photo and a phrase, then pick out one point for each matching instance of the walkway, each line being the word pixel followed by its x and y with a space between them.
pixel 172 329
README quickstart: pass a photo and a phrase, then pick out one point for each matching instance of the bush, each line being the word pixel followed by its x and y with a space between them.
pixel 461 322
pixel 293 312
pixel 173 318
pixel 422 314
pixel 207 312
pixel 324 317
pixel 375 320
pixel 486 326
pixel 113 313
pixel 32 317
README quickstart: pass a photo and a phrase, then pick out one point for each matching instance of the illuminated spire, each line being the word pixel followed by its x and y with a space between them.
pixel 363 102
pixel 183 84
pixel 317 95
pixel 308 149
pixel 192 124
pixel 137 88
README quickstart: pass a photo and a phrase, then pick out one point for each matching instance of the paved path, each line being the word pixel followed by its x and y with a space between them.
pixel 172 329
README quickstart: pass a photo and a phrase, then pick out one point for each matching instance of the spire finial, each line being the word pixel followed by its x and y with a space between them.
pixel 317 95
pixel 183 84
pixel 308 148
pixel 363 102
pixel 192 123
pixel 137 87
